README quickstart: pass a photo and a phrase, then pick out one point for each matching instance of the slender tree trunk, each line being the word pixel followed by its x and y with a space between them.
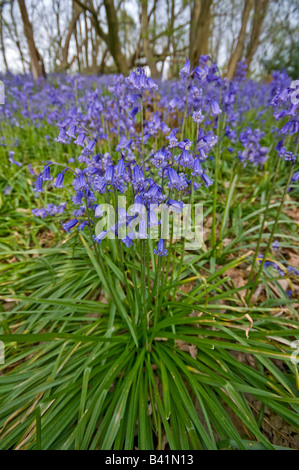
pixel 94 49
pixel 237 54
pixel 16 35
pixel 65 50
pixel 260 11
pixel 2 43
pixel 102 64
pixel 199 29
pixel 35 58
pixel 77 48
pixel 86 41
pixel 145 40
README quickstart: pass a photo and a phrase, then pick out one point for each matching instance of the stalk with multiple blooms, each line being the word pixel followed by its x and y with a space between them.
pixel 122 334
pixel 164 178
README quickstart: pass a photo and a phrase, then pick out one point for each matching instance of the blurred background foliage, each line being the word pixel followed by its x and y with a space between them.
pixel 93 36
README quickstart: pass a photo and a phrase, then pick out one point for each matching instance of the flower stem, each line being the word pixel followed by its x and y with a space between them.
pixel 272 186
pixel 272 234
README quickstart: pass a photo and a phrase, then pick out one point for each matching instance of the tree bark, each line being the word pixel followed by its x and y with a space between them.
pixel 77 48
pixel 35 58
pixel 199 29
pixel 237 54
pixel 111 38
pixel 260 11
pixel 145 40
pixel 113 41
pixel 2 42
pixel 86 41
pixel 65 50
pixel 16 36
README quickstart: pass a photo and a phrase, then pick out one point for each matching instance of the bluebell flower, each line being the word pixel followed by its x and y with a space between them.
pixel 284 153
pixel 31 169
pixel 160 159
pixel 42 213
pixel 142 232
pixel 174 102
pixel 176 206
pixel 138 80
pixel 124 143
pixel 99 238
pixel 39 184
pixel 186 159
pixel 80 139
pixel 77 200
pixel 80 183
pixel 128 240
pixel 151 84
pixel 185 71
pixel 215 109
pixel 161 250
pixel 184 182
pixel 154 194
pixel 185 144
pixel 120 170
pixel 67 226
pixel 207 181
pixel 99 184
pixel 138 180
pixel 198 117
pixel 59 180
pixel 174 180
pixel 47 173
pixel 98 211
pixel 109 175
pixel 133 112
pixel 61 137
pixel 295 177
pixel 12 160
pixel 7 190
pixel 173 141
pixel 72 131
pixel 201 73
pixel 83 225
pixel 197 168
pixel 290 128
pixel 275 245
pixel 79 212
pixel 195 92
pixel 90 146
pixel 202 156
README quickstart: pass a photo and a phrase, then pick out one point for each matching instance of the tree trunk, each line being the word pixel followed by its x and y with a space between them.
pixel 35 58
pixel 145 40
pixel 111 38
pixel 2 42
pixel 86 41
pixel 77 47
pixel 65 50
pixel 113 41
pixel 237 54
pixel 199 29
pixel 260 11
